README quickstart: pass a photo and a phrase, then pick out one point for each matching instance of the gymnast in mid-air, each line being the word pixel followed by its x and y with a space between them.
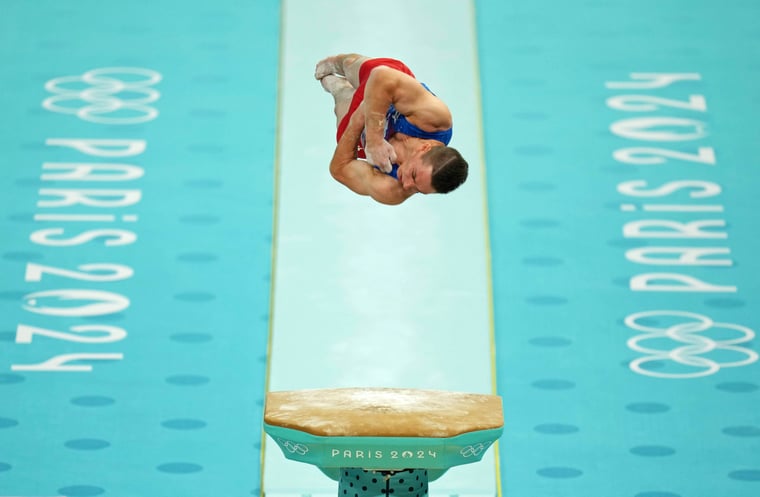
pixel 393 132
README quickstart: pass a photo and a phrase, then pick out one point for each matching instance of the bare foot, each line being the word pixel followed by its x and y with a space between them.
pixel 327 66
pixel 333 84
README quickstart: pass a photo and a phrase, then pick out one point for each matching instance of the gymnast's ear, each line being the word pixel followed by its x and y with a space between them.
pixel 427 146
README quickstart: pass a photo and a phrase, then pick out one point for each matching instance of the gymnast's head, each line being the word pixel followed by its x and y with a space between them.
pixel 449 168
pixel 433 169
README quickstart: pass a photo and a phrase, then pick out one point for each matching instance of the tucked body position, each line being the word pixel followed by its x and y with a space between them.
pixel 392 131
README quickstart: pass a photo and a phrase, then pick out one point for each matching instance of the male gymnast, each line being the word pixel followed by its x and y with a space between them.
pixel 393 132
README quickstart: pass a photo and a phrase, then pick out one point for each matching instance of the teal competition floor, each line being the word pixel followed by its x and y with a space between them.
pixel 129 336
pixel 621 150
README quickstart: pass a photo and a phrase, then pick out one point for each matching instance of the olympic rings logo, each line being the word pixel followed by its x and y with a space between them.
pixel 474 450
pixel 691 354
pixel 294 447
pixel 103 95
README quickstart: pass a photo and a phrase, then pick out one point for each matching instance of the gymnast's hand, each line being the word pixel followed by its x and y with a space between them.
pixel 381 155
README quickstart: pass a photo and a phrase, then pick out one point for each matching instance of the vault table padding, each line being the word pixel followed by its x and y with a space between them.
pixel 383 428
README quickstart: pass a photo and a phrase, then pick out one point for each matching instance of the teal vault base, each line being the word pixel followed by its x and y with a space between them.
pixel 336 455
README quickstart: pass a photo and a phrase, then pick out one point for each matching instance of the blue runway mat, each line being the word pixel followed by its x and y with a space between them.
pixel 130 335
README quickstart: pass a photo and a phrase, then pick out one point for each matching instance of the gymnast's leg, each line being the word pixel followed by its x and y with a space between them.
pixel 341 90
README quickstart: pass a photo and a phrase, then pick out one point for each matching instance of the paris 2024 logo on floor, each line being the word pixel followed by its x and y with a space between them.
pixel 681 345
pixel 109 95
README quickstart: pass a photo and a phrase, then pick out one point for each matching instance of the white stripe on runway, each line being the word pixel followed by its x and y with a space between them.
pixel 366 294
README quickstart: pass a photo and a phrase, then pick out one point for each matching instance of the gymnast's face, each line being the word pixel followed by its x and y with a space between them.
pixel 415 173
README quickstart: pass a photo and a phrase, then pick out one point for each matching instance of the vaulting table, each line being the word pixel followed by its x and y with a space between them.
pixel 382 441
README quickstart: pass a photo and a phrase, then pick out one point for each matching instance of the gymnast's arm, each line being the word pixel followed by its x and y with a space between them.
pixel 386 86
pixel 358 175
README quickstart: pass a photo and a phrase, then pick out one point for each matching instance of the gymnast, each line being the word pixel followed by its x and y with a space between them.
pixel 392 132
